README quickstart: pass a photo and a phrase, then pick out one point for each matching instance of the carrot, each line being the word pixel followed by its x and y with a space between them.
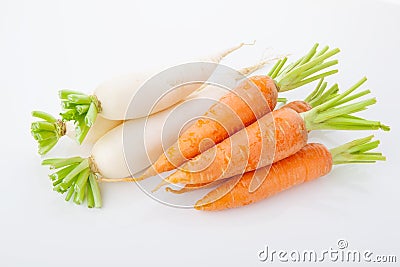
pixel 319 95
pixel 274 137
pixel 239 108
pixel 311 162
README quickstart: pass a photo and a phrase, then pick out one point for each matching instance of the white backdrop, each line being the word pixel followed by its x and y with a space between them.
pixel 50 45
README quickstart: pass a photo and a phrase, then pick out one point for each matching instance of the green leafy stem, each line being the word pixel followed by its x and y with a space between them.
pixel 80 108
pixel 336 113
pixel 47 131
pixel 75 177
pixel 357 151
pixel 305 70
pixel 320 94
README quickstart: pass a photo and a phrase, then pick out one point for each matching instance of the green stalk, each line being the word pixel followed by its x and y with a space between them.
pixel 61 173
pixel 90 197
pixel 306 58
pixel 282 100
pixel 320 95
pixel 316 91
pixel 75 177
pixel 277 68
pixel 44 116
pixel 47 131
pixel 334 115
pixel 95 190
pixel 357 151
pixel 80 108
pixel 307 69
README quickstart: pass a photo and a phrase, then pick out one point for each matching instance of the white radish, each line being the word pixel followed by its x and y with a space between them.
pixel 134 145
pixel 112 98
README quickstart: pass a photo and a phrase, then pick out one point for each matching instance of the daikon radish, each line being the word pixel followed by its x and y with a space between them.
pixel 144 93
pixel 48 130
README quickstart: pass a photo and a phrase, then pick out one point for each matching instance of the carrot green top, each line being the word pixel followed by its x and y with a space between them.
pixel 357 151
pixel 336 112
pixel 305 70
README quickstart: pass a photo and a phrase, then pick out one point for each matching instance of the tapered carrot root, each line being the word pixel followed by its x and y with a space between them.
pixel 311 162
pixel 226 117
pixel 272 138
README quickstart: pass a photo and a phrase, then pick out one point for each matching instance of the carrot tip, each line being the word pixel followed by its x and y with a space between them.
pixel 163 182
pixel 148 173
pixel 175 191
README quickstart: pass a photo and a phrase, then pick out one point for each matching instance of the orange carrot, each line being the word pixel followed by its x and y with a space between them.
pixel 241 107
pixel 311 162
pixel 319 95
pixel 210 127
pixel 273 137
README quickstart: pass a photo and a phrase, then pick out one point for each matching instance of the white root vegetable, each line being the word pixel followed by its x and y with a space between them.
pixel 132 146
pixel 140 92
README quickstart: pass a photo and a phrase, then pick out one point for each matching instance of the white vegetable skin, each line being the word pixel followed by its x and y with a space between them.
pixel 162 89
pixel 141 141
pixel 108 152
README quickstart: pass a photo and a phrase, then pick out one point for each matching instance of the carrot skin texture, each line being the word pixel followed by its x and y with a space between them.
pixel 229 115
pixel 311 162
pixel 273 137
pixel 299 106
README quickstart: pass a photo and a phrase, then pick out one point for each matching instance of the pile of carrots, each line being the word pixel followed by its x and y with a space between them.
pixel 254 149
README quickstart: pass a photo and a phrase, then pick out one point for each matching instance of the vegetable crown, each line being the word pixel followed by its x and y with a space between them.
pixel 46 131
pixel 336 112
pixel 80 108
pixel 357 151
pixel 75 177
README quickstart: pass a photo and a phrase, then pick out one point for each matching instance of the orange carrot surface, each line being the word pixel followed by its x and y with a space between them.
pixel 311 162
pixel 271 138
